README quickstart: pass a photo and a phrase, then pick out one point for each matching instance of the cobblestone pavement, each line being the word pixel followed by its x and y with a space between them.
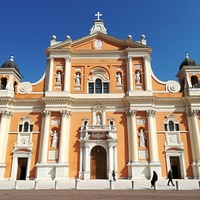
pixel 98 194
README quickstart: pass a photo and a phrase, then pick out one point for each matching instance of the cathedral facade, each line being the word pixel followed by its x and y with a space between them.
pixel 99 108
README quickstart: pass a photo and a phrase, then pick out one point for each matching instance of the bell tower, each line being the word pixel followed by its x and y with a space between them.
pixel 189 77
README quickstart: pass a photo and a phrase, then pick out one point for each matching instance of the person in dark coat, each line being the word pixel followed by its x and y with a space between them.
pixel 113 175
pixel 170 177
pixel 154 179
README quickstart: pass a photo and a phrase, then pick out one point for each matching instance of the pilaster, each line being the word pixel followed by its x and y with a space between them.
pixel 147 73
pixel 130 73
pixel 153 143
pixel 45 136
pixel 67 76
pixel 64 136
pixel 50 75
pixel 196 134
pixel 4 129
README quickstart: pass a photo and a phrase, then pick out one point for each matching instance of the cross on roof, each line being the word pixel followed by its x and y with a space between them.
pixel 98 15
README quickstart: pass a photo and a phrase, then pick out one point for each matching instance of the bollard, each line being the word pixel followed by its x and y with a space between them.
pixel 76 184
pixel 111 184
pixel 155 186
pixel 199 185
pixel 16 185
pixel 132 184
pixel 177 185
pixel 56 185
pixel 36 185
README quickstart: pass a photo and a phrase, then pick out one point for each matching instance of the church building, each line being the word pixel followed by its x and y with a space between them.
pixel 99 108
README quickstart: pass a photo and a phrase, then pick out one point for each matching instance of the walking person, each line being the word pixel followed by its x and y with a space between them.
pixel 154 179
pixel 113 175
pixel 170 177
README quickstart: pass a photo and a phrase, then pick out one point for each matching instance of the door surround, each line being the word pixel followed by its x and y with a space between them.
pixel 110 147
pixel 98 163
pixel 181 155
pixel 16 156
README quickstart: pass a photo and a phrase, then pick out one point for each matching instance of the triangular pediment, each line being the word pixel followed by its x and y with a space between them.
pixel 98 41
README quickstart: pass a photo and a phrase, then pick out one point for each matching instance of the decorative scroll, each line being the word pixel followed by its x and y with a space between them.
pixel 173 86
pixel 24 88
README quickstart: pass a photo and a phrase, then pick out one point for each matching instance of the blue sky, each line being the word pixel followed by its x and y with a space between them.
pixel 171 27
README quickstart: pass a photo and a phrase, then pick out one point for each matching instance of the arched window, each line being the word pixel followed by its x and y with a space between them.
pixel 26 125
pixel 194 81
pixel 3 83
pixel 15 85
pixel 171 124
pixel 98 87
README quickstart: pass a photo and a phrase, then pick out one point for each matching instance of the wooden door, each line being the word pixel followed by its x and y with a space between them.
pixel 98 167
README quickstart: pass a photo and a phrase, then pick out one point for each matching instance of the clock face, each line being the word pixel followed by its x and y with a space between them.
pixel 98 44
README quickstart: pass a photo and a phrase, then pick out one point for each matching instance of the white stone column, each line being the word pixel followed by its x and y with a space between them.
pixel 134 137
pixel 147 73
pixel 50 75
pixel 4 129
pixel 110 160
pixel 192 139
pixel 86 162
pixel 115 159
pixel 81 159
pixel 196 134
pixel 45 136
pixel 153 142
pixel 67 76
pixel 64 137
pixel 62 169
pixel 129 130
pixel 14 168
pixel 130 73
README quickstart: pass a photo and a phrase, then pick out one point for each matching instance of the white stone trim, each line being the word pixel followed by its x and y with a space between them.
pixel 17 155
pixel 181 156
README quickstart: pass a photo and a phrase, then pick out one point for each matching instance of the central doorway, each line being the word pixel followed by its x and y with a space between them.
pixel 98 163
pixel 175 166
pixel 22 168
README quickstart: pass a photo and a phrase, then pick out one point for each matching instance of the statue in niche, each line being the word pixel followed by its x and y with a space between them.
pixel 98 120
pixel 137 76
pixel 54 139
pixel 119 78
pixel 78 79
pixel 58 78
pixel 142 136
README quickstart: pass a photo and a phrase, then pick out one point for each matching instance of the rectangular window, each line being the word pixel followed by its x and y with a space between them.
pixel 105 88
pixel 20 128
pixel 31 127
pixel 165 127
pixel 177 127
pixel 91 88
